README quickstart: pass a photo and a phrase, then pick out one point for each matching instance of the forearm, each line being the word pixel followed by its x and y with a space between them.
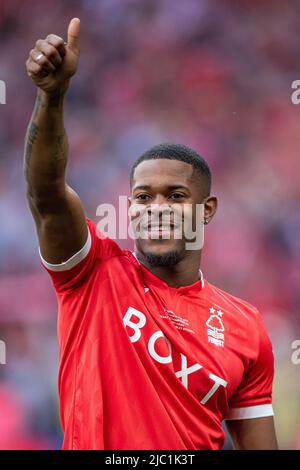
pixel 46 146
pixel 56 208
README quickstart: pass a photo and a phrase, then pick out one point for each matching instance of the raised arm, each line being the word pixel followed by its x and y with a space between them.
pixel 56 208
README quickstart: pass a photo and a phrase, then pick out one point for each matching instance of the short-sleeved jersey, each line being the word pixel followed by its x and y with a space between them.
pixel 147 366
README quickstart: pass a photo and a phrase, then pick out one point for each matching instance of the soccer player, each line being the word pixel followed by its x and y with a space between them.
pixel 152 355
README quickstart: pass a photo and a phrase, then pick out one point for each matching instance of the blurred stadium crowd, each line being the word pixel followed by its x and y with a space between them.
pixel 214 75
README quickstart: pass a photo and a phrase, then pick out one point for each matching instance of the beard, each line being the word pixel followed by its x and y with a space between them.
pixel 166 260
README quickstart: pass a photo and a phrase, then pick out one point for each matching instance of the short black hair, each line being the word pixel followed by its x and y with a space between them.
pixel 170 151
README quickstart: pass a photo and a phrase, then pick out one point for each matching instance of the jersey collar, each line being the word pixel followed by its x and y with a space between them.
pixel 150 278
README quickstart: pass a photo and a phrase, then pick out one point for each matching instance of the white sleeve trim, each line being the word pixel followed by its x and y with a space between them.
pixel 71 262
pixel 258 411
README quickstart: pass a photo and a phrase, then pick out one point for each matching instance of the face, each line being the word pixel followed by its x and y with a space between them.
pixel 167 193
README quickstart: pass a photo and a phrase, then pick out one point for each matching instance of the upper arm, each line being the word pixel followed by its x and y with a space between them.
pixel 253 434
pixel 250 417
pixel 253 396
pixel 61 224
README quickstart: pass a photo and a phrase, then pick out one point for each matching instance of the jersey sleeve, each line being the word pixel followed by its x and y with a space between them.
pixel 253 397
pixel 77 269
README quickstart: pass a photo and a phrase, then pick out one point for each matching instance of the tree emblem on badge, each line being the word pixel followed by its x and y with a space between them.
pixel 215 328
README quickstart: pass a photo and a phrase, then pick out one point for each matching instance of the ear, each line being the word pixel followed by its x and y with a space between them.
pixel 210 207
pixel 129 200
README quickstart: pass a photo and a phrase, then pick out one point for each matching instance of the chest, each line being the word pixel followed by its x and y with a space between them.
pixel 190 338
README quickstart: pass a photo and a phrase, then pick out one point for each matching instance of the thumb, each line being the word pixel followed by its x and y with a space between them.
pixel 73 34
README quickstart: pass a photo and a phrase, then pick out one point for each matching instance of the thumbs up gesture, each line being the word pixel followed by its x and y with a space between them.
pixel 52 62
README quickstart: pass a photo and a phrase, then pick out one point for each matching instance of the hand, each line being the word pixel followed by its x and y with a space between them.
pixel 53 62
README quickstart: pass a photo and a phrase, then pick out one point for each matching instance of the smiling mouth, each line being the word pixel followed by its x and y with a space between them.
pixel 158 228
pixel 159 231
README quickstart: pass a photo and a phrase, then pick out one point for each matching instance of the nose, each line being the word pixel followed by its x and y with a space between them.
pixel 159 211
pixel 158 206
pixel 159 199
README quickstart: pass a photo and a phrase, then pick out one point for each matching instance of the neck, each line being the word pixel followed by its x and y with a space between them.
pixel 184 273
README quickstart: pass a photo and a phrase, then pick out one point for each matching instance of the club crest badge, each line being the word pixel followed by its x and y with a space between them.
pixel 215 328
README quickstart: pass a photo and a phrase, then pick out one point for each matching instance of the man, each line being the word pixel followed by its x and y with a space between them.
pixel 152 356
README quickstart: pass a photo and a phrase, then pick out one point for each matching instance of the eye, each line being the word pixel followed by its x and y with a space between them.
pixel 143 197
pixel 177 196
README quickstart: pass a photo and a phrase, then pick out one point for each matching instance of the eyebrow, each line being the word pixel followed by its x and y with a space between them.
pixel 169 187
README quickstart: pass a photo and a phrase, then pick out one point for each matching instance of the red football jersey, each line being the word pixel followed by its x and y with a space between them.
pixel 147 366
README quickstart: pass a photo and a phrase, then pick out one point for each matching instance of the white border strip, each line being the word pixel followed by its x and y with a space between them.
pixel 258 411
pixel 71 262
pixel 201 278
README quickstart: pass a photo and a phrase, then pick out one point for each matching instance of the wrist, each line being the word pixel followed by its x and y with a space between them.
pixel 53 97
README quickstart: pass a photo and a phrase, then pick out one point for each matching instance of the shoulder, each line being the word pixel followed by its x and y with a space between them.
pixel 233 301
pixel 241 311
pixel 245 326
pixel 104 246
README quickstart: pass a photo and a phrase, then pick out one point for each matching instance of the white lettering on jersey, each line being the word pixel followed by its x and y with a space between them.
pixel 153 353
pixel 185 371
pixel 135 326
pixel 218 381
